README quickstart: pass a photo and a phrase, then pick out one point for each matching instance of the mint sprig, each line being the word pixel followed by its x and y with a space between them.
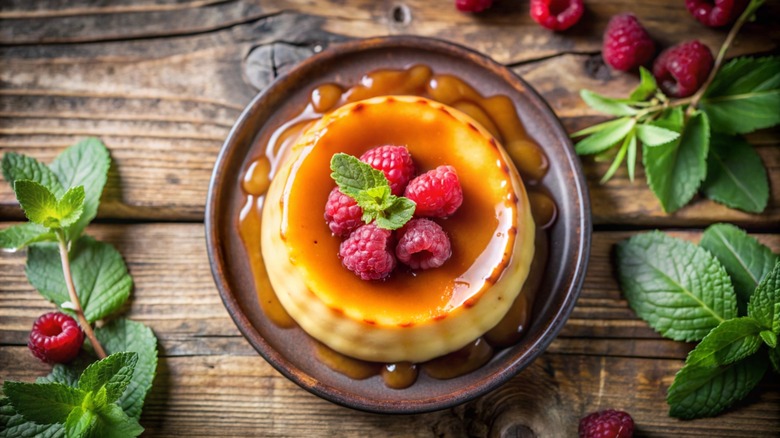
pixel 685 292
pixel 88 279
pixel 691 144
pixel 371 190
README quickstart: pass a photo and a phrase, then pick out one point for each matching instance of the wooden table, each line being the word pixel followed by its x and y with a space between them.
pixel 162 81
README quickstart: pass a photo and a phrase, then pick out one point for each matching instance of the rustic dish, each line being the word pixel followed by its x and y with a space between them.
pixel 291 351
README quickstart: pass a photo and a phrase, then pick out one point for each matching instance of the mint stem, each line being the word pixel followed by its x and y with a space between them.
pixel 749 11
pixel 74 298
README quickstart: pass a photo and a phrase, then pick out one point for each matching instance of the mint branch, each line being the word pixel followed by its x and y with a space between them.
pixel 74 298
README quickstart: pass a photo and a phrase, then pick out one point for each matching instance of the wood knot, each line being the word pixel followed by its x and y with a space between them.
pixel 596 69
pixel 400 14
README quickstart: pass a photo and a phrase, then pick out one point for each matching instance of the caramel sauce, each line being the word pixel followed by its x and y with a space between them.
pixel 497 115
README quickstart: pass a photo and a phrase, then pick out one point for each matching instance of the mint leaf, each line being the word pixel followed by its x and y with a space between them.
pixel 769 338
pixel 647 85
pixel 729 342
pixel 113 422
pixel 397 214
pixel 84 164
pixel 774 358
pixel 736 176
pixel 354 176
pixel 38 203
pixel 125 335
pixel 675 170
pixel 745 259
pixel 112 373
pixel 704 392
pixel 679 288
pixel 17 167
pixel 43 403
pixel 744 96
pixel 80 422
pixel 628 142
pixel 605 104
pixel 18 236
pixel 70 206
pixel 631 160
pixel 99 274
pixel 610 134
pixel 13 425
pixel 764 304
pixel 652 135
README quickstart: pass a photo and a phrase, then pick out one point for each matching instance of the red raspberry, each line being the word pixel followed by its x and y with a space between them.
pixel 342 213
pixel 473 5
pixel 423 245
pixel 366 253
pixel 55 338
pixel 437 192
pixel 557 14
pixel 716 13
pixel 627 45
pixel 395 162
pixel 682 69
pixel 607 424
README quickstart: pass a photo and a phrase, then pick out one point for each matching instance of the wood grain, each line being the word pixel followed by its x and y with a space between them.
pixel 604 357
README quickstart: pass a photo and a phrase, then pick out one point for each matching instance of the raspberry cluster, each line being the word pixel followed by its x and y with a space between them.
pixel 371 252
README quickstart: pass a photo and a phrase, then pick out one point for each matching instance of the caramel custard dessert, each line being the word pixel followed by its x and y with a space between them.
pixel 411 316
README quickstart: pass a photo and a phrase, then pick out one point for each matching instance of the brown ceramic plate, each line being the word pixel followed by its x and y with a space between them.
pixel 291 351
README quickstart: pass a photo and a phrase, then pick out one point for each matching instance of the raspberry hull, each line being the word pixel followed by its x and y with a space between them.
pixel 682 69
pixel 607 424
pixel 627 45
pixel 716 13
pixel 423 245
pixel 55 338
pixel 557 15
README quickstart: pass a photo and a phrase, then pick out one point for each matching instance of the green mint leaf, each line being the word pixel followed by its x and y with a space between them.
pixel 605 104
pixel 631 160
pixel 354 176
pixel 113 422
pixel 764 304
pixel 769 338
pixel 676 170
pixel 679 288
pixel 627 142
pixel 647 85
pixel 652 135
pixel 112 373
pixel 704 392
pixel 43 403
pixel 18 236
pixel 595 128
pixel 125 335
pixel 99 274
pixel 745 259
pixel 397 214
pixel 84 164
pixel 731 341
pixel 39 204
pixel 70 206
pixel 17 167
pixel 80 422
pixel 736 176
pixel 605 138
pixel 672 120
pixel 744 96
pixel 774 358
pixel 13 425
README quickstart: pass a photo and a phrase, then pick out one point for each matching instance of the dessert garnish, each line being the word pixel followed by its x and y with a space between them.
pixel 366 193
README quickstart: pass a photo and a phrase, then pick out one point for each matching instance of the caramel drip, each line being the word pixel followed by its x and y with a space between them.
pixel 497 115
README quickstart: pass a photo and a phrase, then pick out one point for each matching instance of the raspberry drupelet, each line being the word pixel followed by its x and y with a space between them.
pixel 366 252
pixel 423 244
pixel 682 69
pixel 55 338
pixel 437 192
pixel 627 45
pixel 395 162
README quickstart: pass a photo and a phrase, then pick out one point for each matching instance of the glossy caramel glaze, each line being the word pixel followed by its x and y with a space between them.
pixel 496 114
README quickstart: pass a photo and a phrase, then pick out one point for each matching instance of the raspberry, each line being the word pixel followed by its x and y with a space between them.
pixel 366 253
pixel 55 338
pixel 682 69
pixel 437 192
pixel 395 162
pixel 423 245
pixel 607 424
pixel 473 5
pixel 342 213
pixel 716 13
pixel 557 14
pixel 627 45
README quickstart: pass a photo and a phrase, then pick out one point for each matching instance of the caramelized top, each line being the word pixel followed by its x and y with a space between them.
pixel 481 231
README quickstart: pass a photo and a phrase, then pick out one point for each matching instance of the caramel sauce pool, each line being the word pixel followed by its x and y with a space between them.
pixel 497 114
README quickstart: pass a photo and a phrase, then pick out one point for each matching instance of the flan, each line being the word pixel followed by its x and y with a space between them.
pixel 412 315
